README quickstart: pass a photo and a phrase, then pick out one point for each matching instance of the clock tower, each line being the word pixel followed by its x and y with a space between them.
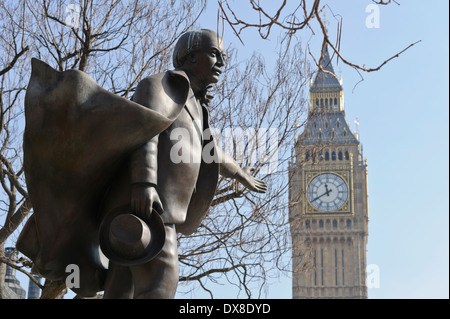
pixel 328 198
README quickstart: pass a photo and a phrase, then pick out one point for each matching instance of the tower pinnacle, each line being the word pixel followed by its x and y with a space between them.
pixel 326 93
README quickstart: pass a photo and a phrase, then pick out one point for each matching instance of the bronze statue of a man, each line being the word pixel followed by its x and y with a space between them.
pixel 133 162
pixel 184 190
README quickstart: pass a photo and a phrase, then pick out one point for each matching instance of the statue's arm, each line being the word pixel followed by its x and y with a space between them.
pixel 229 168
pixel 143 163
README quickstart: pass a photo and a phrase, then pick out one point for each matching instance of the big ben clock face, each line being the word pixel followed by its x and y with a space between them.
pixel 327 192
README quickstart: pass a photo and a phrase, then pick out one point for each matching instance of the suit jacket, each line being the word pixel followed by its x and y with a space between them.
pixel 172 161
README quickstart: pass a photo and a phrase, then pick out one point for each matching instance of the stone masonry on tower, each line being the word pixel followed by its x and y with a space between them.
pixel 328 198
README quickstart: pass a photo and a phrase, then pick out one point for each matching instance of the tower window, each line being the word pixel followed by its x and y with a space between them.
pixel 320 223
pixel 321 264
pixel 327 156
pixel 344 133
pixel 347 157
pixel 308 224
pixel 307 156
pixel 340 157
pixel 315 267
pixel 336 266
pixel 349 223
pixel 333 156
pixel 335 223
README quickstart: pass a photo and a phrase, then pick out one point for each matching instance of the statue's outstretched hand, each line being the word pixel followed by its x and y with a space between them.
pixel 246 178
pixel 143 198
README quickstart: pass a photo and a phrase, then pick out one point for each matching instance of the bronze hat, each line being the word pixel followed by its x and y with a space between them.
pixel 128 240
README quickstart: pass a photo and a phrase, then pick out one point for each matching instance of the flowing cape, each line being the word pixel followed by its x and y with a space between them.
pixel 77 135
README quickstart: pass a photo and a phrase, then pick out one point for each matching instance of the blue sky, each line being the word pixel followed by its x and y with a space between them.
pixel 403 115
pixel 404 128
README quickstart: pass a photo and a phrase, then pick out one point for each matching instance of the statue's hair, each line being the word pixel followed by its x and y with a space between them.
pixel 189 42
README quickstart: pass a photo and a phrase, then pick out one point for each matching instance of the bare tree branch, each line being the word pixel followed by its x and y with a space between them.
pixel 292 23
pixel 10 65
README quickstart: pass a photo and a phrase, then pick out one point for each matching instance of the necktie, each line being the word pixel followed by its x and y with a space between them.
pixel 203 97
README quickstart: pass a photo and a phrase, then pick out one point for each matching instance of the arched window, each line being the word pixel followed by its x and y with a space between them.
pixel 333 156
pixel 349 223
pixel 307 156
pixel 335 223
pixel 340 156
pixel 327 156
pixel 320 223
pixel 335 103
pixel 308 224
pixel 344 133
pixel 337 123
pixel 347 157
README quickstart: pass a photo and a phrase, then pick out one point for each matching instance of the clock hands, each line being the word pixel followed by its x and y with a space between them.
pixel 327 192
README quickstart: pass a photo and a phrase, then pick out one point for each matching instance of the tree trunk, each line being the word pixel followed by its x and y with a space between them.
pixel 54 289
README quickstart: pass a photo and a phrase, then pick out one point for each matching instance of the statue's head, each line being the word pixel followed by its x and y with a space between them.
pixel 201 53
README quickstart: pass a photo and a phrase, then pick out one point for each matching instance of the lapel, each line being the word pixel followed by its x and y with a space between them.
pixel 193 108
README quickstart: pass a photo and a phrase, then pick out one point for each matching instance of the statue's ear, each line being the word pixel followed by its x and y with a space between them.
pixel 192 57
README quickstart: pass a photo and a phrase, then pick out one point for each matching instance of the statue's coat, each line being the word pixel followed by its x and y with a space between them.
pixel 77 135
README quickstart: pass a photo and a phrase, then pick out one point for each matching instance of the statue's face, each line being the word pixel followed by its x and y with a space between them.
pixel 209 59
